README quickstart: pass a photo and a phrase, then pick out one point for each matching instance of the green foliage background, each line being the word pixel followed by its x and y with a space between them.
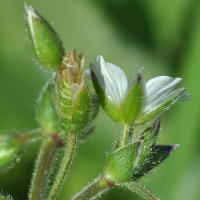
pixel 162 36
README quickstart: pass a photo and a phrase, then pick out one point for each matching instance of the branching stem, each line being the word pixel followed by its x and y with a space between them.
pixel 94 190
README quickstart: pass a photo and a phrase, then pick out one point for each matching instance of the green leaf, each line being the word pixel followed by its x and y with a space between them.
pixel 157 155
pixel 119 166
pixel 46 115
pixel 46 43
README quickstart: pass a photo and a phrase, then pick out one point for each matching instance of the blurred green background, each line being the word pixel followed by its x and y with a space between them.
pixel 162 36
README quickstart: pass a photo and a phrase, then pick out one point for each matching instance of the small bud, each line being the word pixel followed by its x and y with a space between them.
pixel 46 43
pixel 46 115
pixel 123 102
pixel 72 94
pixel 9 151
pixel 119 166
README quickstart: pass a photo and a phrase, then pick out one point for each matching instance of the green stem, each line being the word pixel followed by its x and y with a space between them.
pixel 125 136
pixel 42 166
pixel 64 166
pixel 94 190
pixel 140 190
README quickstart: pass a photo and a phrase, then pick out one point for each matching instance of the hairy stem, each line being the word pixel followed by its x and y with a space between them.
pixel 125 136
pixel 94 190
pixel 140 190
pixel 42 166
pixel 64 166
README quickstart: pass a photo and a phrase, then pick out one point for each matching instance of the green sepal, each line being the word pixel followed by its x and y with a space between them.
pixel 157 155
pixel 93 111
pixel 133 103
pixel 46 43
pixel 119 167
pixel 129 109
pixel 146 140
pixel 10 151
pixel 46 115
pixel 73 111
pixel 178 94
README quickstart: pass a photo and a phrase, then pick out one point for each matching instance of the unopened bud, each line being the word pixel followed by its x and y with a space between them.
pixel 46 43
pixel 73 96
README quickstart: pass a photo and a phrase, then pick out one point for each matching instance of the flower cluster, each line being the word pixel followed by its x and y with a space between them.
pixel 69 103
pixel 135 104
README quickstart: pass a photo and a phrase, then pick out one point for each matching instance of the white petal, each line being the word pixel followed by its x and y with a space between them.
pixel 111 79
pixel 175 95
pixel 158 90
pixel 157 86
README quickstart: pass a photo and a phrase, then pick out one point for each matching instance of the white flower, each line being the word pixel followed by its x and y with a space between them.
pixel 159 93
pixel 122 101
pixel 159 90
pixel 111 79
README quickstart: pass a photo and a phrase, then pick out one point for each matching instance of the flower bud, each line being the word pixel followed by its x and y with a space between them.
pixel 73 97
pixel 46 43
